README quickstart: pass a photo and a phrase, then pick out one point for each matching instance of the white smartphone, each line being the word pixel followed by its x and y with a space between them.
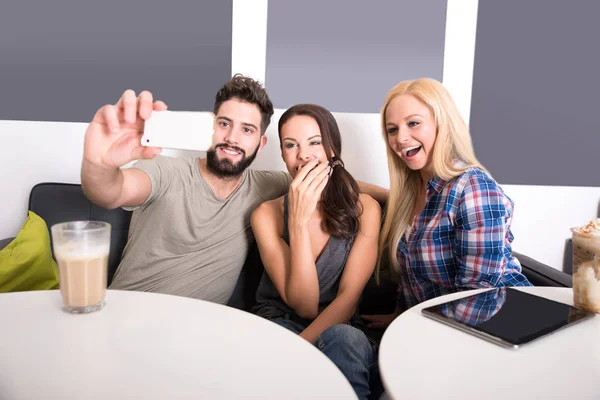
pixel 182 130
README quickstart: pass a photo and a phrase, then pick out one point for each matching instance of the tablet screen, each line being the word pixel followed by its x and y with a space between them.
pixel 508 314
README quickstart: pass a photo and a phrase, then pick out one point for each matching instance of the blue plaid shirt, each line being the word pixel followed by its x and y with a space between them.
pixel 461 240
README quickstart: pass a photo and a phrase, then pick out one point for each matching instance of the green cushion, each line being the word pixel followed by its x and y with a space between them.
pixel 26 263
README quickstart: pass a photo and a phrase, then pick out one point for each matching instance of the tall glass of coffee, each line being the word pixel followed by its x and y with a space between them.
pixel 81 250
pixel 586 266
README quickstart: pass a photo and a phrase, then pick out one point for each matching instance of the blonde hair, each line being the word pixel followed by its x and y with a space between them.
pixel 452 143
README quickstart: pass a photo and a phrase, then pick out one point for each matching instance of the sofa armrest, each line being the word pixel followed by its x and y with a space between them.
pixel 5 242
pixel 541 274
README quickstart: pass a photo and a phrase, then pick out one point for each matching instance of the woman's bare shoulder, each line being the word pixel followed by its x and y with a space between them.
pixel 270 207
pixel 269 214
pixel 370 218
pixel 368 203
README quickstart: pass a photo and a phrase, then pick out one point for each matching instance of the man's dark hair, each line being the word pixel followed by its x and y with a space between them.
pixel 248 90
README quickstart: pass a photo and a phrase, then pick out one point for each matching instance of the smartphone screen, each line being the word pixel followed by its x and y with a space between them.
pixel 182 130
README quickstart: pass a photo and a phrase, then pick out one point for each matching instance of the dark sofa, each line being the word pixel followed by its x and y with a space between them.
pixel 59 202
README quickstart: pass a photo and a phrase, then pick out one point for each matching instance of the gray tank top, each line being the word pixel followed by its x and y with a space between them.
pixel 330 266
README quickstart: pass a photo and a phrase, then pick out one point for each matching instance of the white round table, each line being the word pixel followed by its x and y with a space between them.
pixel 153 346
pixel 420 358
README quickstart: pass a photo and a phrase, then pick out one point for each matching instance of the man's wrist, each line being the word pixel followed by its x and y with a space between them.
pixel 97 169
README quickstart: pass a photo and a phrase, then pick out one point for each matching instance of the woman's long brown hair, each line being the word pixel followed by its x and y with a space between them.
pixel 340 196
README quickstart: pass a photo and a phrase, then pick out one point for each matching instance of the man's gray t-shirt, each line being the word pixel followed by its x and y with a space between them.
pixel 183 239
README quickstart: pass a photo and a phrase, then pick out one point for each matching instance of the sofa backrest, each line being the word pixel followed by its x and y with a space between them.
pixel 61 202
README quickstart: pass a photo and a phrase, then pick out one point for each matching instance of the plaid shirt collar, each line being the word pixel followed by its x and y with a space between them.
pixel 436 183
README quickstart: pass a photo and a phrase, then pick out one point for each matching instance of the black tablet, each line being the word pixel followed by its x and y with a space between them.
pixel 506 316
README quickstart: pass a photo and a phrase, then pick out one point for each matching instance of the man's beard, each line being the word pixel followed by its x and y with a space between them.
pixel 225 168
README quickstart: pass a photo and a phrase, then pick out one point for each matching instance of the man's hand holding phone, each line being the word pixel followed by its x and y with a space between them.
pixel 113 137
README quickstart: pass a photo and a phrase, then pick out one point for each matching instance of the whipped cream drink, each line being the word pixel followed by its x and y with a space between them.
pixel 586 266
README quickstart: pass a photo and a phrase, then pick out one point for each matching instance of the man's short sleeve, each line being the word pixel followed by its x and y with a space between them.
pixel 284 179
pixel 272 184
pixel 160 171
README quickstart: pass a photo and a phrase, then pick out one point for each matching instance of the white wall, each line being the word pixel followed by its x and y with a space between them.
pixel 33 152
pixel 544 214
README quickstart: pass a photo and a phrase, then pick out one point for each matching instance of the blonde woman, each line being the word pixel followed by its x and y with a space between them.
pixel 447 226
